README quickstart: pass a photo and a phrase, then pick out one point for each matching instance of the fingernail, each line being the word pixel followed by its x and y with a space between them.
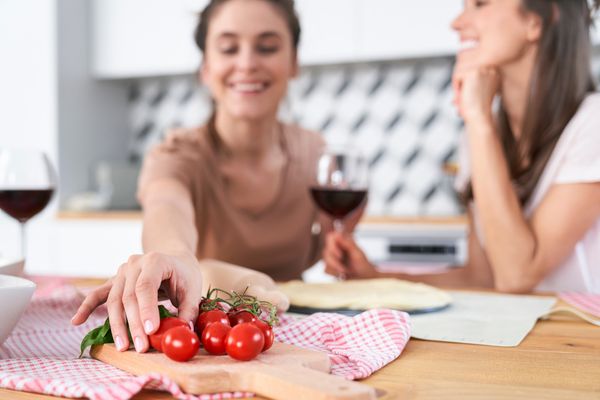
pixel 191 324
pixel 148 326
pixel 119 343
pixel 138 344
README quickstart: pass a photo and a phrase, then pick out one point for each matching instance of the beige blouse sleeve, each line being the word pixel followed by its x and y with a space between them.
pixel 176 158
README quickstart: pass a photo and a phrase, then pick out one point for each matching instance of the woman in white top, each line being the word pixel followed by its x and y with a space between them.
pixel 531 169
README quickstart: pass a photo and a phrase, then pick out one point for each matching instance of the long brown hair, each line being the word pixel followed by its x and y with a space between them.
pixel 561 80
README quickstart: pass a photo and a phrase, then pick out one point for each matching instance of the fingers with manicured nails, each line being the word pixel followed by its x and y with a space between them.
pixel 116 314
pixel 152 274
pixel 91 301
pixel 130 303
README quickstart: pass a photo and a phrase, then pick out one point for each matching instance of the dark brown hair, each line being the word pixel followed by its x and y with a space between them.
pixel 285 7
pixel 561 80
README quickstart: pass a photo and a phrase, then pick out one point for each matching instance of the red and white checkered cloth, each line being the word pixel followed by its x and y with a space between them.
pixel 41 353
pixel 589 303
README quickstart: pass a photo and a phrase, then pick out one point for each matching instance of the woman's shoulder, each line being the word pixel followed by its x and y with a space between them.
pixel 586 121
pixel 184 140
pixel 576 153
pixel 298 136
pixel 183 136
pixel 589 109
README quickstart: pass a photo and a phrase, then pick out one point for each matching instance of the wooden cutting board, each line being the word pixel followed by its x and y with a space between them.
pixel 282 372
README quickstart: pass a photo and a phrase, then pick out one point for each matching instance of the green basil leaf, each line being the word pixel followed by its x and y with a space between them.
pixel 102 334
pixel 99 335
pixel 163 312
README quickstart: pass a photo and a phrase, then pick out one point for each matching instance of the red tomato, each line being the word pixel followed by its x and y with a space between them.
pixel 239 317
pixel 245 341
pixel 180 343
pixel 214 337
pixel 267 332
pixel 208 317
pixel 165 324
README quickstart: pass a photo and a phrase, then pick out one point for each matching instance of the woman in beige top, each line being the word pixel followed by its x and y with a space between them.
pixel 235 190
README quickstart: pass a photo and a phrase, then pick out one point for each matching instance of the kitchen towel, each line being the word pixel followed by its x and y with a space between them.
pixel 41 353
pixel 483 318
pixel 590 303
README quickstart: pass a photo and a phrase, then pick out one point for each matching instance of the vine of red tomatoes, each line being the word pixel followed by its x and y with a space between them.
pixel 235 324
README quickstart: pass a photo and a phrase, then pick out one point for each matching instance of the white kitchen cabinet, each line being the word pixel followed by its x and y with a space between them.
pixel 329 31
pixel 95 247
pixel 134 38
pixel 393 29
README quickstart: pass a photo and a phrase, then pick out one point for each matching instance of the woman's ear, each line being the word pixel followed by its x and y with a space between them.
pixel 534 28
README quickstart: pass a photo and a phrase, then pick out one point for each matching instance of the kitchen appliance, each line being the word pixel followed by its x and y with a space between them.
pixel 414 246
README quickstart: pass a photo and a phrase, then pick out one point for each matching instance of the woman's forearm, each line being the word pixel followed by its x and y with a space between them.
pixel 510 243
pixel 168 230
pixel 169 220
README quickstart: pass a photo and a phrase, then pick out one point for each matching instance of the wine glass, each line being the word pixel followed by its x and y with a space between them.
pixel 341 183
pixel 27 182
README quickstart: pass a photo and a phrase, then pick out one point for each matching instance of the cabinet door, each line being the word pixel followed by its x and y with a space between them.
pixel 95 248
pixel 392 29
pixel 144 37
pixel 329 31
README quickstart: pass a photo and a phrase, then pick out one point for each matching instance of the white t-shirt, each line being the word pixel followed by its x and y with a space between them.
pixel 575 159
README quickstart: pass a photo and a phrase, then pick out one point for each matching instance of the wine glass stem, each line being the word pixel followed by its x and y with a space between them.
pixel 338 225
pixel 23 246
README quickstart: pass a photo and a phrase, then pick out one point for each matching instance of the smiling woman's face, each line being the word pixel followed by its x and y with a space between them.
pixel 496 32
pixel 249 59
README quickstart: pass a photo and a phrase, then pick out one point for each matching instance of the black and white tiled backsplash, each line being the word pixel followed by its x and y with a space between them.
pixel 399 114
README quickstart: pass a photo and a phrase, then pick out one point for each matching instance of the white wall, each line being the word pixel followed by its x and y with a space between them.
pixel 49 101
pixel 27 97
pixel 92 115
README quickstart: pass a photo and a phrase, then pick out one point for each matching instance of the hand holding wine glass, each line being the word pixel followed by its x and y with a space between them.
pixel 341 184
pixel 27 181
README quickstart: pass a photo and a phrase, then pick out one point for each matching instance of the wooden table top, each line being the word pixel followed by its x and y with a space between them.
pixel 559 359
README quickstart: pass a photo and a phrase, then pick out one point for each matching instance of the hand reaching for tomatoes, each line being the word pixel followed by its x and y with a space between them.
pixel 239 332
pixel 132 296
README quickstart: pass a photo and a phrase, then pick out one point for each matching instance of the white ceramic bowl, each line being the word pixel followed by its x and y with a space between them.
pixel 15 294
pixel 11 266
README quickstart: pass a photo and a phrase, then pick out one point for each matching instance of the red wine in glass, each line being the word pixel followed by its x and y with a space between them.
pixel 341 183
pixel 27 182
pixel 22 204
pixel 338 202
